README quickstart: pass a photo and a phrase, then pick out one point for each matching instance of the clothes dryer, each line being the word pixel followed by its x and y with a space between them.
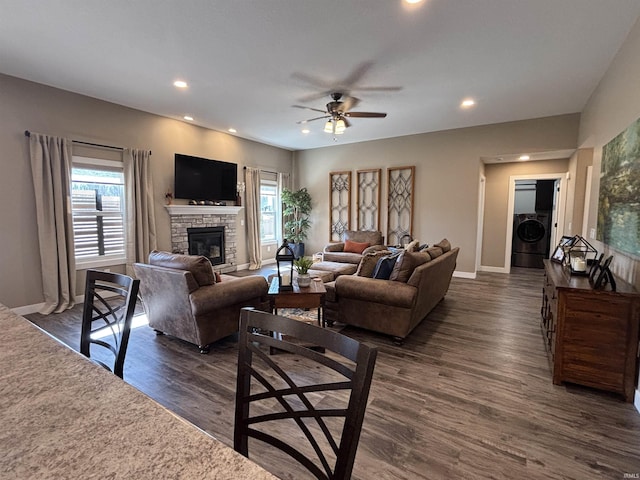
pixel 530 243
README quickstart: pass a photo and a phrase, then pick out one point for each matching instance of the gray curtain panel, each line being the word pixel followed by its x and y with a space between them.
pixel 141 220
pixel 51 172
pixel 252 195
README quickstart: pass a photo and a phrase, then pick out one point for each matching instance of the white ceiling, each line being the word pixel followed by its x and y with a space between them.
pixel 243 60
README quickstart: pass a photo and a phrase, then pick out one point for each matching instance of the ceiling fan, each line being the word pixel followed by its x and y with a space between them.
pixel 338 112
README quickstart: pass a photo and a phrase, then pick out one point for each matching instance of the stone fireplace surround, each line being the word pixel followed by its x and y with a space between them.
pixel 197 216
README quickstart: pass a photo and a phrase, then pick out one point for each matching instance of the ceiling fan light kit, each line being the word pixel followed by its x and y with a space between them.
pixel 337 112
pixel 337 127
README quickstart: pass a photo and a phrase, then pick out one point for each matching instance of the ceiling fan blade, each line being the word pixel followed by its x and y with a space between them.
pixel 349 102
pixel 309 108
pixel 377 89
pixel 315 81
pixel 312 119
pixel 315 96
pixel 357 73
pixel 365 115
pixel 347 123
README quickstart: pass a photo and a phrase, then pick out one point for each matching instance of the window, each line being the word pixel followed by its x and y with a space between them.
pixel 97 202
pixel 268 211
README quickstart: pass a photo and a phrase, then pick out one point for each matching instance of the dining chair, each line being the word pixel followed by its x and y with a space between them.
pixel 109 303
pixel 321 395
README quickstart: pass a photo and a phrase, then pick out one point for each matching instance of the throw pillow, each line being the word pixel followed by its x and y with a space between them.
pixel 355 247
pixel 199 266
pixel 369 261
pixel 384 267
pixel 434 252
pixel 406 264
pixel 413 246
pixel 444 244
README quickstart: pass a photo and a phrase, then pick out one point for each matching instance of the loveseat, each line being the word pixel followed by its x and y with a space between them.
pixel 182 297
pixel 418 282
pixel 355 244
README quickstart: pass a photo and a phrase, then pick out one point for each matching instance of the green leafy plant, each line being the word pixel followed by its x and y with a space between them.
pixel 297 207
pixel 303 264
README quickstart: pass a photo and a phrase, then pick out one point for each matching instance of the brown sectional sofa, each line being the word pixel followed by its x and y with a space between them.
pixel 393 307
pixel 334 252
pixel 182 298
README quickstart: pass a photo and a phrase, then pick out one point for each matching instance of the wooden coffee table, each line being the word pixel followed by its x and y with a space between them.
pixel 307 297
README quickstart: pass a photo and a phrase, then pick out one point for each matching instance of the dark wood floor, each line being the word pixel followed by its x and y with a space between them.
pixel 469 395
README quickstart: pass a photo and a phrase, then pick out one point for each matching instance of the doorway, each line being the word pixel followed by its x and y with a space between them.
pixel 533 205
pixel 530 234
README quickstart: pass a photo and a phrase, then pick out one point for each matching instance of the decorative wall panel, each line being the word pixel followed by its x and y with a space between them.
pixel 400 204
pixel 339 204
pixel 368 199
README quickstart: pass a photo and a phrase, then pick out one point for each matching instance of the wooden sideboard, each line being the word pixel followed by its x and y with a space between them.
pixel 591 335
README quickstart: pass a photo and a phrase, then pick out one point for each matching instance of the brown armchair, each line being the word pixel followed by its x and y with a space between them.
pixel 181 297
pixel 336 252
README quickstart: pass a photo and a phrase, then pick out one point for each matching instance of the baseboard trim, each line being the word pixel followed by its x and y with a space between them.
pixel 245 266
pixel 485 268
pixel 471 275
pixel 28 309
pixel 35 308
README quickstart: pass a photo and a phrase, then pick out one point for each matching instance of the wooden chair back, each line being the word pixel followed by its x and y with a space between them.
pixel 109 304
pixel 327 411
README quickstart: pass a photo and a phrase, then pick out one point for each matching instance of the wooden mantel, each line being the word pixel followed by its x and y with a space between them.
pixel 203 209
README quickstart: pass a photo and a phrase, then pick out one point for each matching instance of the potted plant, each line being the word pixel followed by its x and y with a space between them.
pixel 297 207
pixel 302 266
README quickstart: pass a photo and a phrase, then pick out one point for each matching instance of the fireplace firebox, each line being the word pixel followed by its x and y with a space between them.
pixel 208 242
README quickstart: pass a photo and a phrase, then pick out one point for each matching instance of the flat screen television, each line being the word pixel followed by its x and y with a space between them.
pixel 203 179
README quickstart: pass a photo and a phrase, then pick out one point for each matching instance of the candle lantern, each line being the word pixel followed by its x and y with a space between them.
pixel 581 255
pixel 284 261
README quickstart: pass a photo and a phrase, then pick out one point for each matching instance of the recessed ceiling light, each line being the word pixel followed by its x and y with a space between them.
pixel 232 130
pixel 410 2
pixel 468 102
pixel 305 131
pixel 180 84
pixel 524 157
pixel 189 118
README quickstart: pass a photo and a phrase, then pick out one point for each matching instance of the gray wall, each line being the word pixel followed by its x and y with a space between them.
pixel 614 106
pixel 448 167
pixel 29 106
pixel 494 235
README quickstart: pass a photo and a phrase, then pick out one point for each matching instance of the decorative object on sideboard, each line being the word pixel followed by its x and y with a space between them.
pixel 302 266
pixel 284 262
pixel 580 255
pixel 604 277
pixel 560 253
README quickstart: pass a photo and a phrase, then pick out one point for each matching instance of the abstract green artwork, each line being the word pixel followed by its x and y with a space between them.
pixel 619 198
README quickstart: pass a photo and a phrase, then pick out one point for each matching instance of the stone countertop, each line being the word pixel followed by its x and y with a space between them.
pixel 62 416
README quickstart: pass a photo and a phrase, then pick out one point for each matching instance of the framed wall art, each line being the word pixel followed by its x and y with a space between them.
pixel 339 204
pixel 368 199
pixel 618 200
pixel 400 193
